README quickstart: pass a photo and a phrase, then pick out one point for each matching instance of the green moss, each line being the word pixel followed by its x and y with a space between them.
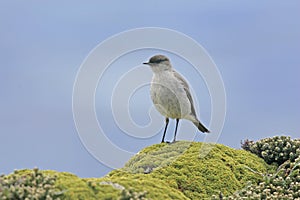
pixel 222 170
pixel 155 188
pixel 74 187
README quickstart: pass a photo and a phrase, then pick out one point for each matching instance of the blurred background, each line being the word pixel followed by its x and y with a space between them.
pixel 255 45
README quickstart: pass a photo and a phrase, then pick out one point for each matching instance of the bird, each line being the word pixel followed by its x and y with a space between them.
pixel 171 95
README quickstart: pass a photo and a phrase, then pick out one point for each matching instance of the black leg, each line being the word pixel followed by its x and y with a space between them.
pixel 167 122
pixel 177 121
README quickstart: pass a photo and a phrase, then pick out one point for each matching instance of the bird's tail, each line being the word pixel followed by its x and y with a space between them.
pixel 201 127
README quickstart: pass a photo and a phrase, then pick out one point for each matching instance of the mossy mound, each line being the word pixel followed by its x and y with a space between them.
pixel 180 166
pixel 167 171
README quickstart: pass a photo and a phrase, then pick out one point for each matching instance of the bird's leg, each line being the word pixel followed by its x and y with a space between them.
pixel 167 122
pixel 177 121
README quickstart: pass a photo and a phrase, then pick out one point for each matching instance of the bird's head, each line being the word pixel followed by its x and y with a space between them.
pixel 159 63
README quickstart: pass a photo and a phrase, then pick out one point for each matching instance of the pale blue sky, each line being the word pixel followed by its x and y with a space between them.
pixel 255 45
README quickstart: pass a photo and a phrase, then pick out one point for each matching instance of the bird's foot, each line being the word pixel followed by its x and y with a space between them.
pixel 169 142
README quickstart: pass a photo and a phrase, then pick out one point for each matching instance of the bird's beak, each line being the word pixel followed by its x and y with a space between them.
pixel 145 63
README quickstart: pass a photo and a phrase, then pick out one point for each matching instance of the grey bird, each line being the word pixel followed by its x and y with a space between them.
pixel 171 95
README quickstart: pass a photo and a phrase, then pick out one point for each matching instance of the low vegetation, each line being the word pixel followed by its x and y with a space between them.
pixel 266 169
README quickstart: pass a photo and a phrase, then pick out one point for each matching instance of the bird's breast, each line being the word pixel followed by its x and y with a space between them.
pixel 169 97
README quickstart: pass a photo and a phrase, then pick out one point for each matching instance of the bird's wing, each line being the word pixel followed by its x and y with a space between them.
pixel 187 90
pixel 181 79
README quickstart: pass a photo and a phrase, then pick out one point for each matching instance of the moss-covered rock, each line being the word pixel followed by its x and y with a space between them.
pixel 179 165
pixel 167 171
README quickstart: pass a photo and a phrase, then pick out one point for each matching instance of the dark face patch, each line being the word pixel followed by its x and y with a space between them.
pixel 158 59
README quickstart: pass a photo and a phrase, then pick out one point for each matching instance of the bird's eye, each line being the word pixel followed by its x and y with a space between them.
pixel 158 61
